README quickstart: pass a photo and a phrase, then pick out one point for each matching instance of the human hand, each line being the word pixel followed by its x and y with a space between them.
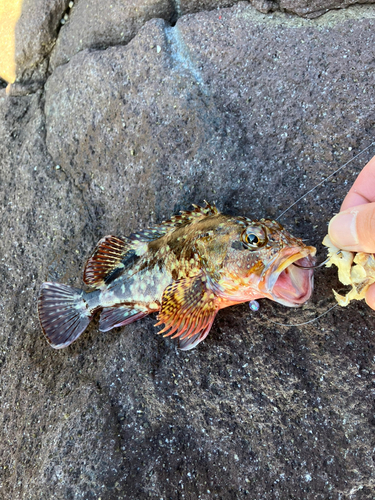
pixel 353 228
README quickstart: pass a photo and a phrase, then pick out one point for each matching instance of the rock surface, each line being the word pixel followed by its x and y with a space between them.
pixel 35 34
pixel 234 106
pixel 315 8
pixel 66 28
pixel 94 24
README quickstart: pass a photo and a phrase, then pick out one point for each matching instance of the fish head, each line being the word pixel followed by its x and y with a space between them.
pixel 263 263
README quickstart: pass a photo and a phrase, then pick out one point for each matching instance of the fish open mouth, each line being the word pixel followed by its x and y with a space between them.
pixel 289 284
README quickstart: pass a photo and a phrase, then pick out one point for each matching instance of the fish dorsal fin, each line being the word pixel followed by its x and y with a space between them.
pixel 186 217
pixel 183 219
pixel 147 235
pixel 106 258
pixel 188 308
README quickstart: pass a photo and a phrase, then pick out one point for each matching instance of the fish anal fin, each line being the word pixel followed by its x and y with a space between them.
pixel 188 309
pixel 120 315
pixel 106 258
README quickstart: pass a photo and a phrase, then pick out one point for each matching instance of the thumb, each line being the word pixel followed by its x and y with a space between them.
pixel 354 229
pixel 370 296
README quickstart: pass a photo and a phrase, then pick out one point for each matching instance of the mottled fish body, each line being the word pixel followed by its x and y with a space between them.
pixel 186 269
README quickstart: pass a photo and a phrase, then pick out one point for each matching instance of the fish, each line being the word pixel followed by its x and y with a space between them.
pixel 185 269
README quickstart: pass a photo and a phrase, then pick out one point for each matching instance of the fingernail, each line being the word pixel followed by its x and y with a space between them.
pixel 342 230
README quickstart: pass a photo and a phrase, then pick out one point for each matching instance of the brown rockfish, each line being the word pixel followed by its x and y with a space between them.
pixel 186 269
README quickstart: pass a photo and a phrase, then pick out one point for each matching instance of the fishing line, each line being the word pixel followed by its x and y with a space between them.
pixel 306 322
pixel 324 180
pixel 326 260
pixel 317 265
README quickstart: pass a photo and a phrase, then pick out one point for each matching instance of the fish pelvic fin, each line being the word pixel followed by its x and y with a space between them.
pixel 109 258
pixel 119 315
pixel 188 309
pixel 63 313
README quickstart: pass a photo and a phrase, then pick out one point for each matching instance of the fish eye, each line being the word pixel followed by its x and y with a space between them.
pixel 254 237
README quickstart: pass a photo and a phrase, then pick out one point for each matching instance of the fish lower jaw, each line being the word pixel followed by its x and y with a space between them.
pixel 291 301
pixel 293 286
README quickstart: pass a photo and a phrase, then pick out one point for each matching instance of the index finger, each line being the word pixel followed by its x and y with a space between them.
pixel 363 189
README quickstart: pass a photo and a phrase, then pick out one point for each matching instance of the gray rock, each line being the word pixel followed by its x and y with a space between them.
pixel 191 6
pixel 35 35
pixel 315 8
pixel 94 24
pixel 234 106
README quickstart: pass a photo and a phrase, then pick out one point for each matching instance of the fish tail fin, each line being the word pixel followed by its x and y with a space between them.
pixel 63 313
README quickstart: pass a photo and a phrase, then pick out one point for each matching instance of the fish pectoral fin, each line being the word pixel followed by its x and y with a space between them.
pixel 188 309
pixel 109 256
pixel 112 317
pixel 185 344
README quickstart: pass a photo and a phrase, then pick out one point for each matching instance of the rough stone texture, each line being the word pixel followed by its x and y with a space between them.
pixel 314 8
pixel 191 6
pixel 96 24
pixel 241 108
pixel 36 32
pixel 92 24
